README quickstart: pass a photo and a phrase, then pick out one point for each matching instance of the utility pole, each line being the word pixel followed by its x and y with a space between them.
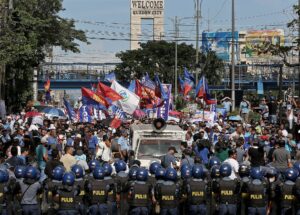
pixel 197 37
pixel 176 69
pixel 232 58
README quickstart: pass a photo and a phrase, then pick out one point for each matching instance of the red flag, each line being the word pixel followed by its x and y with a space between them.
pixel 89 94
pixel 116 123
pixel 138 88
pixel 47 85
pixel 107 92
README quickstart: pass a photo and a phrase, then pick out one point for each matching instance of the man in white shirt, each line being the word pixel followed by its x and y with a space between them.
pixel 226 102
pixel 104 151
pixel 233 163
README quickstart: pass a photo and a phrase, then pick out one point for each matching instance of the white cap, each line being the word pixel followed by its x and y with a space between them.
pixel 52 127
pixel 78 135
pixel 33 128
pixel 44 139
pixel 284 133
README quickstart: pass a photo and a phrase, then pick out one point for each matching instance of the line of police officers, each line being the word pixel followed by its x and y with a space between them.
pixel 160 191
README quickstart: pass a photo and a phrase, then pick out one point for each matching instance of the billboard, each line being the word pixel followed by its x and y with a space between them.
pixel 220 42
pixel 258 37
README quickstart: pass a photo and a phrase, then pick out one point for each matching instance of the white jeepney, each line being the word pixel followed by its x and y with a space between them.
pixel 150 146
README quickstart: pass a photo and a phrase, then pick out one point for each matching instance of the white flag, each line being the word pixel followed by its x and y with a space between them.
pixel 130 101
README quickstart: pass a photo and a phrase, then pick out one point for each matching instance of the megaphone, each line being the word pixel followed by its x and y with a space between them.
pixel 159 125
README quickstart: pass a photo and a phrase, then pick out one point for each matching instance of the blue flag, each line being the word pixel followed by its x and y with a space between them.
pixel 131 87
pixel 110 77
pixel 159 89
pixel 70 111
pixel 118 112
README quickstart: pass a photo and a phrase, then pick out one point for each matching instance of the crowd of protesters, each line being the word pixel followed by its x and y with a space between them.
pixel 272 141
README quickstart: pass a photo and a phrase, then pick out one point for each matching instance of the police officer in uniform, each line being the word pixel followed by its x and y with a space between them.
pixel 52 186
pixel 121 181
pixel 296 189
pixel 80 200
pixel 198 192
pixel 159 177
pixel 168 193
pixel 97 191
pixel 285 192
pixel 273 182
pixel 66 195
pixel 4 190
pixel 227 190
pixel 30 188
pixel 257 193
pixel 140 194
pixel 111 196
pixel 152 169
pixel 244 173
pixel 185 174
pixel 214 179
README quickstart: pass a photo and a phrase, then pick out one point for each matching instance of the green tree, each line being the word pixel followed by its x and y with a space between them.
pixel 158 57
pixel 32 28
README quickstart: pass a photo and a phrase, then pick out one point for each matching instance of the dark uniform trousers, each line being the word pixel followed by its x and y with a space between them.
pixel 31 209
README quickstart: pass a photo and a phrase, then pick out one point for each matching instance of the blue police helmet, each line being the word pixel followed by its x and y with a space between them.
pixel 215 171
pixel 197 171
pixel 3 176
pixel 256 173
pixel 68 179
pixel 98 173
pixel 120 165
pixel 291 174
pixel 31 172
pixel 185 173
pixel 297 166
pixel 132 173
pixel 107 169
pixel 153 167
pixel 93 164
pixel 160 174
pixel 214 161
pixel 171 174
pixel 77 170
pixel 142 174
pixel 225 170
pixel 57 173
pixel 20 171
pixel 185 166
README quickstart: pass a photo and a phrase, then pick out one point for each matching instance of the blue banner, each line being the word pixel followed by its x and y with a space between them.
pixel 260 87
pixel 219 42
pixel 163 112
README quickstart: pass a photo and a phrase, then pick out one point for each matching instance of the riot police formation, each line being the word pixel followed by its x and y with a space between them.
pixel 116 189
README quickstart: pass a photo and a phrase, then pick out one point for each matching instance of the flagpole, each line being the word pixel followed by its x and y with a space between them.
pixel 176 71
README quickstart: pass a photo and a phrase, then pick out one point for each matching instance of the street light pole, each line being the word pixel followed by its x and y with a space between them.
pixel 197 37
pixel 176 69
pixel 232 58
